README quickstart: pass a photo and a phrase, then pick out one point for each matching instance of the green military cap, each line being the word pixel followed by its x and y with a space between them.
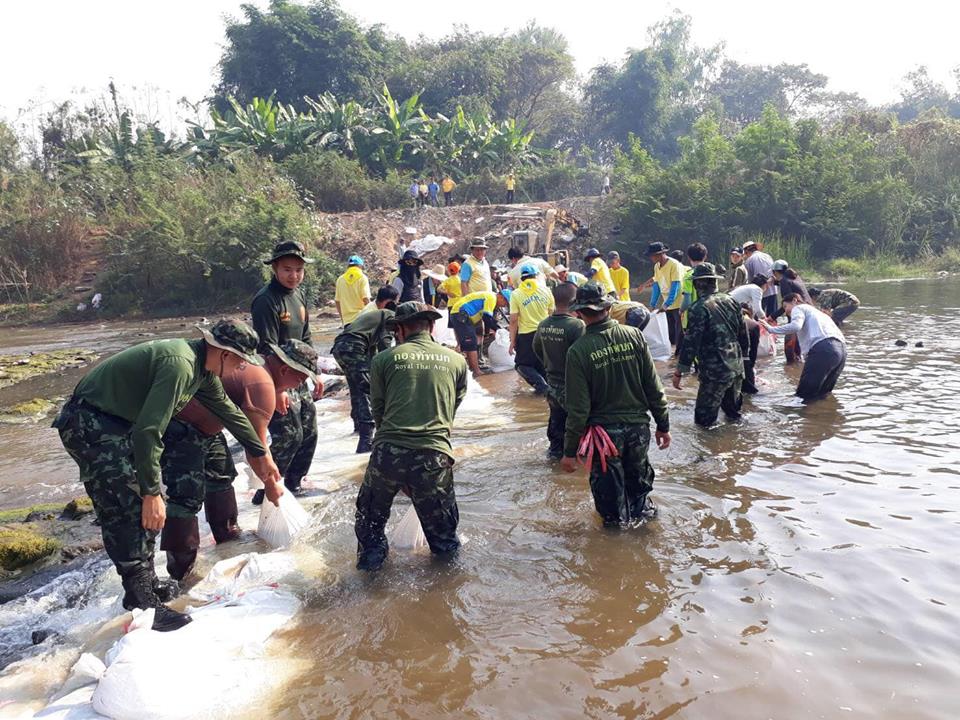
pixel 592 296
pixel 288 248
pixel 235 336
pixel 705 271
pixel 411 311
pixel 298 355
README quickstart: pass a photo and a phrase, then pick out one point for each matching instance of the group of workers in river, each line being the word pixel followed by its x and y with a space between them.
pixel 152 416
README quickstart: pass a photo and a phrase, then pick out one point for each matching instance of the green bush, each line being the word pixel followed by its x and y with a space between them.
pixel 331 182
pixel 189 240
pixel 20 546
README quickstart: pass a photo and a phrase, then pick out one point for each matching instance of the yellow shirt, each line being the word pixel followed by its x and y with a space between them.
pixel 353 292
pixel 532 304
pixel 602 275
pixel 510 183
pixel 451 287
pixel 665 276
pixel 621 281
pixel 476 273
pixel 475 305
pixel 447 184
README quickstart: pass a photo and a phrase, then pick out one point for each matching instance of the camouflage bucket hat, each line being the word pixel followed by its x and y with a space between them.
pixel 705 271
pixel 288 248
pixel 591 296
pixel 411 311
pixel 236 337
pixel 299 356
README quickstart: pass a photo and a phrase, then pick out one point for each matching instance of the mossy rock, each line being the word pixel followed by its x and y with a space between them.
pixel 17 368
pixel 77 508
pixel 21 514
pixel 19 547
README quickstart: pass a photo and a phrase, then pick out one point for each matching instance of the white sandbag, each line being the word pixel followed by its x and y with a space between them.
pixel 75 705
pixel 501 358
pixel 428 244
pixel 212 667
pixel 408 533
pixel 280 525
pixel 768 344
pixel 658 337
pixel 237 575
pixel 326 364
pixel 442 332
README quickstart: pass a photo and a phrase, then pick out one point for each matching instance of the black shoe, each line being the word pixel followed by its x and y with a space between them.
pixel 294 486
pixel 365 443
pixel 258 497
pixel 370 564
pixel 166 590
pixel 180 563
pixel 167 620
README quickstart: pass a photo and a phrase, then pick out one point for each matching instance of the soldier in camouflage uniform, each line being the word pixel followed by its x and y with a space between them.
pixel 612 383
pixel 717 339
pixel 280 313
pixel 353 350
pixel 196 463
pixel 415 390
pixel 112 427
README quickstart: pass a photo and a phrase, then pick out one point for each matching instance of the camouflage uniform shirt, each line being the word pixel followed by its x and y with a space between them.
pixel 716 337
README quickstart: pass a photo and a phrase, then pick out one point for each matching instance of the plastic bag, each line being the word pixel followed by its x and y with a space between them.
pixel 408 534
pixel 658 337
pixel 768 344
pixel 443 333
pixel 500 357
pixel 280 525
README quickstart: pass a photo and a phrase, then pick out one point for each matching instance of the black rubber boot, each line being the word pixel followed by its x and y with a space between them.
pixel 180 539
pixel 140 594
pixel 365 443
pixel 220 508
pixel 258 497
pixel 166 590
pixel 293 485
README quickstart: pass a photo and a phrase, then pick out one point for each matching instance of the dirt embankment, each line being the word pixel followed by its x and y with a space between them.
pixel 377 235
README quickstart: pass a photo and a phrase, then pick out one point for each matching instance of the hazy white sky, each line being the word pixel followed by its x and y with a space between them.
pixel 52 49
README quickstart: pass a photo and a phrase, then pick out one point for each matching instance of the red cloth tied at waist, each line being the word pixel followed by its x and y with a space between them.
pixel 596 441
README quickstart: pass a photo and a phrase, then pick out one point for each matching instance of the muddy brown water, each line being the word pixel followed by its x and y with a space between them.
pixel 803 565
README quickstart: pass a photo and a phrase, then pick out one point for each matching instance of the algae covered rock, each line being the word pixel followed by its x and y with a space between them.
pixel 77 508
pixel 20 547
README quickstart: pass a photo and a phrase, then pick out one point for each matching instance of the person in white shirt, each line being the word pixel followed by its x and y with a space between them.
pixel 823 346
pixel 520 259
pixel 752 294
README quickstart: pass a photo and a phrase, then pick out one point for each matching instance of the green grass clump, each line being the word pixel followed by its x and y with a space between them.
pixel 14 515
pixel 19 547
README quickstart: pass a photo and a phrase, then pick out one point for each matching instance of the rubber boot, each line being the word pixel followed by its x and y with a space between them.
pixel 365 443
pixel 181 539
pixel 166 590
pixel 293 485
pixel 140 594
pixel 220 508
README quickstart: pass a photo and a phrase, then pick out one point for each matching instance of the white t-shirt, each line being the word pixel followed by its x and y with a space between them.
pixel 811 326
pixel 542 266
pixel 749 293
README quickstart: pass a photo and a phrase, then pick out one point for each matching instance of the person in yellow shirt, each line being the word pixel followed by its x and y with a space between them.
pixel 452 287
pixel 667 281
pixel 601 273
pixel 447 185
pixel 530 304
pixel 353 290
pixel 475 273
pixel 471 315
pixel 620 276
pixel 570 276
pixel 510 183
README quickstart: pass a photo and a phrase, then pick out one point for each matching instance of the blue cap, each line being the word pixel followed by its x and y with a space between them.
pixel 527 271
pixel 506 292
pixel 355 260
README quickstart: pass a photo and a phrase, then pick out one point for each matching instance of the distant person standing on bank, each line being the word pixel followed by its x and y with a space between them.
pixel 759 263
pixel 280 314
pixel 823 346
pixel 448 185
pixel 352 291
pixel 510 183
pixel 415 390
pixel 434 189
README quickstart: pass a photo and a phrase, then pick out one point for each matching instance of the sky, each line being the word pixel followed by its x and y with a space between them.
pixel 157 53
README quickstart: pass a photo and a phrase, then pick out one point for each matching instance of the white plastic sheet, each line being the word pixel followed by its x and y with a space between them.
pixel 658 337
pixel 501 358
pixel 408 534
pixel 427 244
pixel 442 332
pixel 279 526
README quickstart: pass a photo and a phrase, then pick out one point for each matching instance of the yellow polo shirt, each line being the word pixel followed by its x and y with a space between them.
pixel 532 304
pixel 353 292
pixel 621 281
pixel 665 276
pixel 602 275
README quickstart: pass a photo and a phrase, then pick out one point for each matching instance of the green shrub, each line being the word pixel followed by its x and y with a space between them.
pixel 331 182
pixel 20 546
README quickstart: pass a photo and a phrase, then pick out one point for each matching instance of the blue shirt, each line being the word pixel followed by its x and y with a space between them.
pixel 433 188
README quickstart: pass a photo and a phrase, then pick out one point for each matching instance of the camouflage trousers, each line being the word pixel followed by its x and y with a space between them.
pixel 293 437
pixel 355 363
pixel 101 446
pixel 713 395
pixel 427 477
pixel 193 465
pixel 620 492
pixel 557 422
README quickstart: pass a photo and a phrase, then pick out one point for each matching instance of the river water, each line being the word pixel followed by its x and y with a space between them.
pixel 803 565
